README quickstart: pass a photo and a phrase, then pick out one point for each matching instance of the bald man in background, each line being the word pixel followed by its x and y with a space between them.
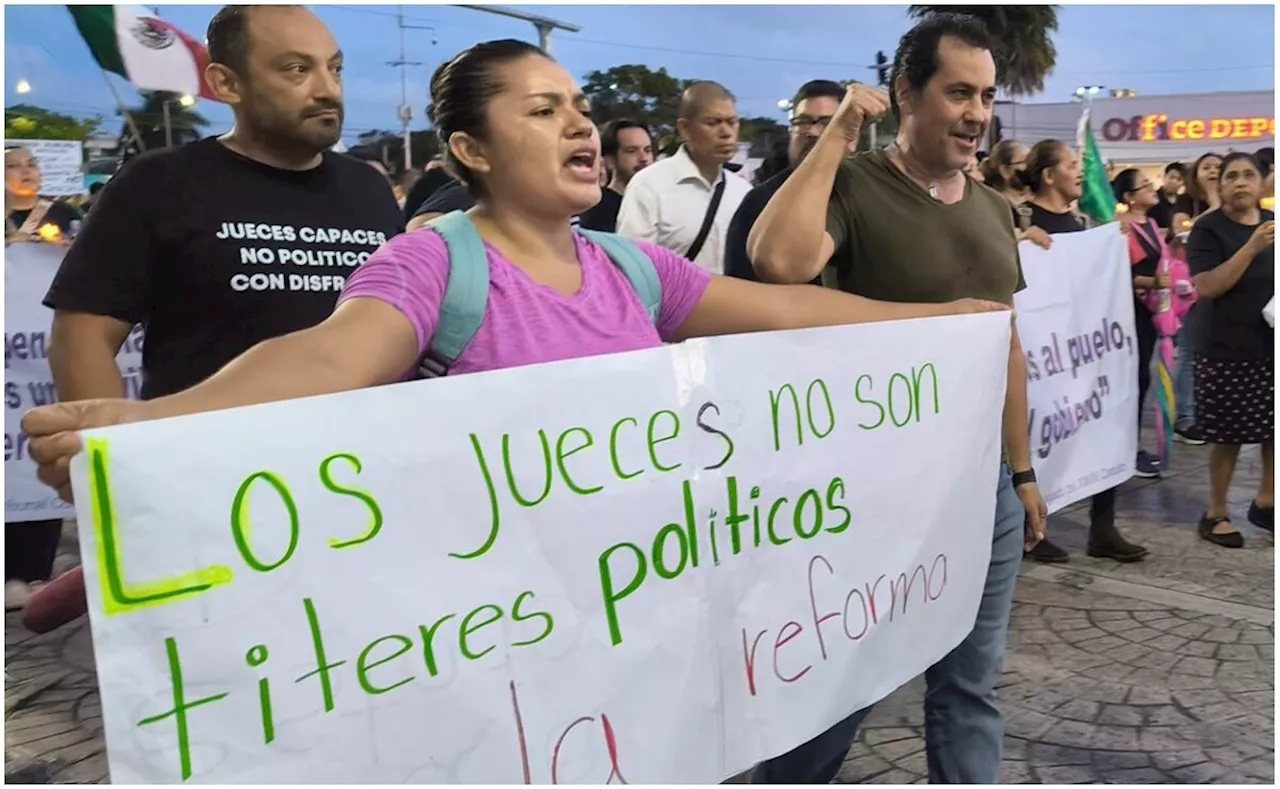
pixel 685 203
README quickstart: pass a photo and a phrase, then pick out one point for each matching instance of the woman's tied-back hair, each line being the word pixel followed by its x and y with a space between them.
pixel 1044 155
pixel 1001 156
pixel 460 93
pixel 1125 182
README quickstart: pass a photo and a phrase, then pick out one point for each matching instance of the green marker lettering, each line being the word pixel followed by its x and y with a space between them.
pixel 518 616
pixel 612 598
pixel 466 628
pixel 857 393
pixel 835 492
pixel 428 646
pixel 613 448
pixel 917 377
pixel 375 512
pixel 655 440
pixel 363 665
pixel 322 665
pixel 495 521
pixel 241 525
pixel 775 398
pixel 511 475
pixel 118 595
pixel 180 707
pixel 561 454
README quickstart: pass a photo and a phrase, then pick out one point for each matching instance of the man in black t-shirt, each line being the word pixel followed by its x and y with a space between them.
pixel 627 148
pixel 451 197
pixel 811 110
pixel 219 245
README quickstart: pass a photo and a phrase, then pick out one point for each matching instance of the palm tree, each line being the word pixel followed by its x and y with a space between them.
pixel 1025 54
pixel 184 122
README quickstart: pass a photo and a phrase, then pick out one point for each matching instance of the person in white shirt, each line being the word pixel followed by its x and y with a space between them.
pixel 685 202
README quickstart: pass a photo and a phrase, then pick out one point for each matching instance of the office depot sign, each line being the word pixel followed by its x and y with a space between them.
pixel 1158 127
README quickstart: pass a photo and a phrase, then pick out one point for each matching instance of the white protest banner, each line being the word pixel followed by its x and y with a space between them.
pixel 1075 320
pixel 28 271
pixel 61 165
pixel 651 567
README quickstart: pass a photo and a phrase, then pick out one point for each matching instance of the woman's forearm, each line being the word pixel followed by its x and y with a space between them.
pixel 807 307
pixel 1217 281
pixel 366 343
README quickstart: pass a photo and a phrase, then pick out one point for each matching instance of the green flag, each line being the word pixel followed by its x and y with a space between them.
pixel 1098 201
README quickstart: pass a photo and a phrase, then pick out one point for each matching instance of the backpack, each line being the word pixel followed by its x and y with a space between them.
pixel 467 293
pixel 1168 307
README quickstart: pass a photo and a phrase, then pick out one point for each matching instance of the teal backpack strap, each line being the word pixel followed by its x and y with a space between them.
pixel 465 296
pixel 636 265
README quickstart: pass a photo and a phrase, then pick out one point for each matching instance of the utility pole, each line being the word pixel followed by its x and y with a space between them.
pixel 405 112
pixel 542 24
pixel 881 68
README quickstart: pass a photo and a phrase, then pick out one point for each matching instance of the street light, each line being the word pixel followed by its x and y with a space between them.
pixel 1086 93
pixel 785 105
pixel 23 86
pixel 186 101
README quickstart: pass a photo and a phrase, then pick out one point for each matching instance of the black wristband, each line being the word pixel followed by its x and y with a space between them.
pixel 1021 478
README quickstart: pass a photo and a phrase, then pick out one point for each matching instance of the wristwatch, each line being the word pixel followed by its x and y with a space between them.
pixel 1021 478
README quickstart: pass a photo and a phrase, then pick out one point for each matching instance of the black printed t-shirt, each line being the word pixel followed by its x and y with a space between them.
pixel 214 253
pixel 1231 326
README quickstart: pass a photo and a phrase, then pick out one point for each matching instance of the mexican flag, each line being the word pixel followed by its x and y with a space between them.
pixel 131 41
pixel 1098 201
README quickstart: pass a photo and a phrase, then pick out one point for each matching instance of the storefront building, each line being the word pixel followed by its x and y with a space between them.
pixel 1149 132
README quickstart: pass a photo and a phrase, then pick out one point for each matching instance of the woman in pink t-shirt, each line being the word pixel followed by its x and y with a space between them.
pixel 515 130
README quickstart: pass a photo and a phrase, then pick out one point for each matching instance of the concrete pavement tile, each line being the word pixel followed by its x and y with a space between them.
pixel 1106 761
pixel 1173 759
pixel 1141 775
pixel 878 735
pixel 1015 772
pixel 1067 775
pixel 1199 773
pixel 1056 755
pixel 1116 738
pixel 1120 715
pixel 860 769
pixel 894 777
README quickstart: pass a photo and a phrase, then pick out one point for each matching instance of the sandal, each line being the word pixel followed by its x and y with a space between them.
pixel 1228 540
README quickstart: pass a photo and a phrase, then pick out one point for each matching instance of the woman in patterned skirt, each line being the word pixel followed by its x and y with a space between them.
pixel 1231 253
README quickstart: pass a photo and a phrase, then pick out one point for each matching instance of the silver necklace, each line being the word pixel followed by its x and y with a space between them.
pixel 933 185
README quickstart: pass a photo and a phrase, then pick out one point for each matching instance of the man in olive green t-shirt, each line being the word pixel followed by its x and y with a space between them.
pixel 906 224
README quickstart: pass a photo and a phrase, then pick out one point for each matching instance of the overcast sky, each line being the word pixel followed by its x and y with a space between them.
pixel 762 53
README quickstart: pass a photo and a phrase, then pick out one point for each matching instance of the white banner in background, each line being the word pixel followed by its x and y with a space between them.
pixel 61 165
pixel 28 271
pixel 1075 320
pixel 652 567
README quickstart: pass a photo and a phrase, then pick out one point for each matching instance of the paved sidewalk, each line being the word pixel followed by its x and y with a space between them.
pixel 1161 672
